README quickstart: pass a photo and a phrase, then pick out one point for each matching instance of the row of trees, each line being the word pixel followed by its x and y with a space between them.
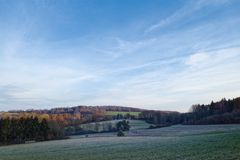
pixel 160 117
pixel 123 116
pixel 64 119
pixel 14 131
pixel 222 112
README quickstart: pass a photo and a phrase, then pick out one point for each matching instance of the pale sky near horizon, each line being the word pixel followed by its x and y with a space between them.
pixel 158 54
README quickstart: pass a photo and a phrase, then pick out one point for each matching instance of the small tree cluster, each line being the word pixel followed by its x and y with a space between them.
pixel 122 126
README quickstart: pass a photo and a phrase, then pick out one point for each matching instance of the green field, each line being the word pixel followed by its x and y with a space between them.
pixel 207 142
pixel 115 113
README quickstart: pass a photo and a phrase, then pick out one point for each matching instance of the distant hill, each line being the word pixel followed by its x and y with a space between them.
pixel 77 114
pixel 80 109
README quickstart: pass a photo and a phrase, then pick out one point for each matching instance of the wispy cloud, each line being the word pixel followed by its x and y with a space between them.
pixel 162 88
pixel 189 8
pixel 197 59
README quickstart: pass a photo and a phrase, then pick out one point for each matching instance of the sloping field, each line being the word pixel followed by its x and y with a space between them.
pixel 191 143
pixel 104 125
pixel 136 126
pixel 185 130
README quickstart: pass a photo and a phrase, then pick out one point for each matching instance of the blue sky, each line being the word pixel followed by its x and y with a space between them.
pixel 157 54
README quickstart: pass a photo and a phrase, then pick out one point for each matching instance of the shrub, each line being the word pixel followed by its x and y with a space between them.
pixel 120 133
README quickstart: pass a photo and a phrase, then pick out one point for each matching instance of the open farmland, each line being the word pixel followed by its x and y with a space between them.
pixel 115 113
pixel 106 126
pixel 176 142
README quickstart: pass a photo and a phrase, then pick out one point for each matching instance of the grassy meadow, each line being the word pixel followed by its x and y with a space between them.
pixel 208 142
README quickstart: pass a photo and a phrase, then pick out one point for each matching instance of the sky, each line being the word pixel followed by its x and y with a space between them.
pixel 158 54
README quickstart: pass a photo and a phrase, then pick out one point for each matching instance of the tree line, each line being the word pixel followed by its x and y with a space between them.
pixel 161 117
pixel 14 131
pixel 221 112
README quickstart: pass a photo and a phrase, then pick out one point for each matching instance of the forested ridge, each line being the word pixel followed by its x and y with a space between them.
pixel 221 112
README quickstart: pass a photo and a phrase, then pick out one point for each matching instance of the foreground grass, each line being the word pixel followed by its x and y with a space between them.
pixel 207 146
